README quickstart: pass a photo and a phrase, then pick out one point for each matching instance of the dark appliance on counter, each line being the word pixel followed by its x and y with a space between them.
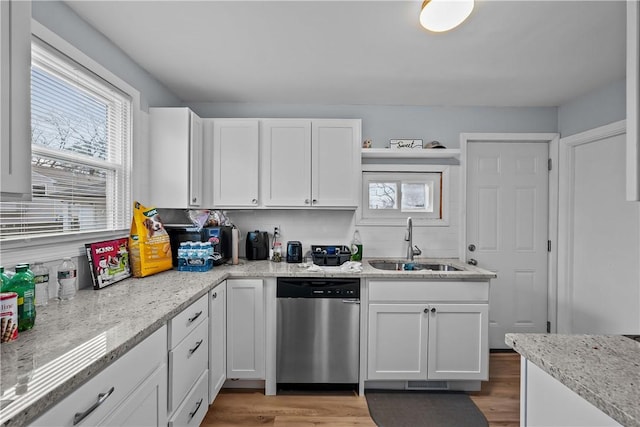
pixel 330 255
pixel 257 245
pixel 318 331
pixel 294 251
pixel 220 238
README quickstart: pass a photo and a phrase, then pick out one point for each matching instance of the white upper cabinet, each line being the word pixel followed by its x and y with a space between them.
pixel 235 162
pixel 311 163
pixel 175 158
pixel 15 100
pixel 286 154
pixel 336 162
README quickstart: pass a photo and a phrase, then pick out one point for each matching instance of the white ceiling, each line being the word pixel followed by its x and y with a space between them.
pixel 508 53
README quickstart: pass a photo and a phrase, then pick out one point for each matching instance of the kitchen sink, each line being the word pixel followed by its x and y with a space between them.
pixel 411 266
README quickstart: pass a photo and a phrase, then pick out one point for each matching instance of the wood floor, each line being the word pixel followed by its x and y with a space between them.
pixel 498 400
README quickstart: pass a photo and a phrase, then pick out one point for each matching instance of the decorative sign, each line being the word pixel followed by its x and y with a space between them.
pixel 405 144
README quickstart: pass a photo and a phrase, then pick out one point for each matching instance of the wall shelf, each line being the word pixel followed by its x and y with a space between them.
pixel 433 153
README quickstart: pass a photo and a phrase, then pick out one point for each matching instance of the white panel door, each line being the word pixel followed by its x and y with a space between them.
pixel 507 224
pixel 599 277
pixel 397 347
pixel 235 163
pixel 245 329
pixel 458 344
pixel 286 177
pixel 336 167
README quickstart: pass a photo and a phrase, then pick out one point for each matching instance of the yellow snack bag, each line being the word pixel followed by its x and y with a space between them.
pixel 149 244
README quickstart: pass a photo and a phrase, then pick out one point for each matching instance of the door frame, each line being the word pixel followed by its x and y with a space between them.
pixel 552 140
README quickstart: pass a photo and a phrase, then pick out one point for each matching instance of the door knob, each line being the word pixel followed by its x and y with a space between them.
pixel 472 262
pixel 472 247
pixel 433 310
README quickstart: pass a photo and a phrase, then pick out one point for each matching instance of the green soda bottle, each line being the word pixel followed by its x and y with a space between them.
pixel 22 283
pixel 5 280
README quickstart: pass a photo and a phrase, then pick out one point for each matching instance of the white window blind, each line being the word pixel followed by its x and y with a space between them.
pixel 81 138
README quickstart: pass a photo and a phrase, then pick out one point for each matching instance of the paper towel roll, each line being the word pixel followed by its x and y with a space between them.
pixel 234 245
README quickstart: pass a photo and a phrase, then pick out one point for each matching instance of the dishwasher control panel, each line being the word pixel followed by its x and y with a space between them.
pixel 318 288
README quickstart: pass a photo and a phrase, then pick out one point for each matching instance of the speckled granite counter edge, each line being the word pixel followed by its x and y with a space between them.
pixel 598 397
pixel 39 405
pixel 34 407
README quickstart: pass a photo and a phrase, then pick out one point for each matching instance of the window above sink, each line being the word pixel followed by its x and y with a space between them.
pixel 391 193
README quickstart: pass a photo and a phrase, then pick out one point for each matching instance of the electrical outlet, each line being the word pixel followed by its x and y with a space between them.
pixel 276 230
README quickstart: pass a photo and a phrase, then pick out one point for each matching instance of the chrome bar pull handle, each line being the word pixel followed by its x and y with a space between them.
pixel 102 397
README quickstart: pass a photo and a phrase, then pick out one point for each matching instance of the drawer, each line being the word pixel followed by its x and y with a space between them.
pixel 187 320
pixel 428 291
pixel 111 386
pixel 187 362
pixel 192 410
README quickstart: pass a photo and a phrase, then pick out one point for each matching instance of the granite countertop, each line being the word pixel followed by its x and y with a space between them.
pixel 603 369
pixel 48 362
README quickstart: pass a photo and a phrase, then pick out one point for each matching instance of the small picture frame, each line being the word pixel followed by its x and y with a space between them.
pixel 405 144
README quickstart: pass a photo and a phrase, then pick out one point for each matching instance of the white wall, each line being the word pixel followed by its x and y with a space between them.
pixel 380 123
pixel 604 105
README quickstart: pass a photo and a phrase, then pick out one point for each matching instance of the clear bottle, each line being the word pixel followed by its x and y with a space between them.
pixel 356 247
pixel 22 284
pixel 277 252
pixel 182 254
pixel 67 279
pixel 41 279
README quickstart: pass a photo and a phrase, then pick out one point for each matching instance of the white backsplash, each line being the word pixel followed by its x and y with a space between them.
pixel 327 227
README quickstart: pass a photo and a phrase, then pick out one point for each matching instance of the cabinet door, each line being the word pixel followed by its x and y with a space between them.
pixel 286 177
pixel 97 398
pixel 146 406
pixel 15 100
pixel 236 163
pixel 458 342
pixel 245 329
pixel 174 181
pixel 336 163
pixel 217 339
pixel 397 348
pixel 195 160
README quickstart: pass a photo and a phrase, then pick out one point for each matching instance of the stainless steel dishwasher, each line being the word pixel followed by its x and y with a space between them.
pixel 318 333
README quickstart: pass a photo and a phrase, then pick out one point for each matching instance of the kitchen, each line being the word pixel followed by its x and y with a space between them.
pixel 586 110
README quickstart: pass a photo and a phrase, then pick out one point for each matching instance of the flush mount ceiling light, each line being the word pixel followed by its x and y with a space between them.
pixel 443 15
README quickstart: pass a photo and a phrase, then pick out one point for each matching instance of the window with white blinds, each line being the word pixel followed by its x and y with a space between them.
pixel 81 142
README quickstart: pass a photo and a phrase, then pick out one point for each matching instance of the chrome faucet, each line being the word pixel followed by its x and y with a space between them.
pixel 408 237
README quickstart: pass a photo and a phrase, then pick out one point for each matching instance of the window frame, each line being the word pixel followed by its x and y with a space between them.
pixel 383 217
pixel 50 248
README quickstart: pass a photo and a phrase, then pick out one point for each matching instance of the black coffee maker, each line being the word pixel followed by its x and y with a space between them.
pixel 294 251
pixel 257 245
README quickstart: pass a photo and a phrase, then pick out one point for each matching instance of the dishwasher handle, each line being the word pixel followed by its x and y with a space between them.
pixel 351 301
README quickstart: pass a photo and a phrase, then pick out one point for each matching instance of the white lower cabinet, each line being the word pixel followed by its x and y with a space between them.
pixel 245 329
pixel 545 401
pixel 130 392
pixel 397 347
pixel 425 340
pixel 194 407
pixel 188 352
pixel 217 339
pixel 146 405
